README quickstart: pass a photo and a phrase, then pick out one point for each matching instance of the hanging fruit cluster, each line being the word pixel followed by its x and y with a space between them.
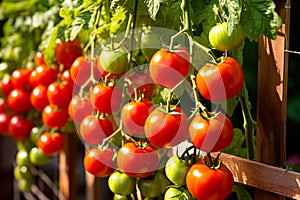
pixel 136 92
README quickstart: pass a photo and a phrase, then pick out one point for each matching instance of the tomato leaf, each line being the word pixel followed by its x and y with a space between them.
pixel 153 7
pixel 117 21
pixel 259 18
pixel 241 192
pixel 234 13
pixel 236 146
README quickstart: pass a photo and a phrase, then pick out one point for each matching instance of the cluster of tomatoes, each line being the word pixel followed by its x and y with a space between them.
pixel 34 107
pixel 133 135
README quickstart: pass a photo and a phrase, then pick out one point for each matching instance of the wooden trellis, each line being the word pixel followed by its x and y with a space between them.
pixel 267 174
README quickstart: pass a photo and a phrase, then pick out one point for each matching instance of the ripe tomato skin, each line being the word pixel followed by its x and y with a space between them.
pixel 19 101
pixel 144 84
pixel 120 183
pixel 38 97
pixel 99 162
pixel 211 135
pixel 219 39
pixel 204 182
pixel 60 93
pixel 67 52
pixel 43 75
pixel 51 143
pixel 80 70
pixel 6 85
pixel 137 162
pixel 220 82
pixel 106 99
pixel 134 115
pixel 39 58
pixel 79 108
pixel 93 130
pixel 20 78
pixel 54 117
pixel 168 68
pixel 176 170
pixel 4 122
pixel 19 128
pixel 166 129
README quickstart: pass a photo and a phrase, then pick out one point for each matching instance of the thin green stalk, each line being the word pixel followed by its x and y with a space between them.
pixel 249 123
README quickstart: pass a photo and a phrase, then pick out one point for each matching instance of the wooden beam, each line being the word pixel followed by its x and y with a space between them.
pixel 276 180
pixel 272 100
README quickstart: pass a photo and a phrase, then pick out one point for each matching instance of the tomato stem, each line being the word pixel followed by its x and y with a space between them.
pixel 249 123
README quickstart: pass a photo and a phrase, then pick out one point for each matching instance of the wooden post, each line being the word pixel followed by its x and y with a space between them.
pixel 272 99
pixel 67 167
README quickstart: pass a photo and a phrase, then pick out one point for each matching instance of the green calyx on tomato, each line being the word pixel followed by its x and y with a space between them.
pixel 220 39
pixel 114 61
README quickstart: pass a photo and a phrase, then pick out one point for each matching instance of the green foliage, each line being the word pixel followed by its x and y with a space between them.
pixel 237 146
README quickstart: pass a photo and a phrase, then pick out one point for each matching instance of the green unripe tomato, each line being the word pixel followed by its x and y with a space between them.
pixel 25 184
pixel 176 170
pixel 177 193
pixel 37 157
pixel 121 183
pixel 23 172
pixel 149 188
pixel 220 40
pixel 114 61
pixel 34 135
pixel 120 197
pixel 22 157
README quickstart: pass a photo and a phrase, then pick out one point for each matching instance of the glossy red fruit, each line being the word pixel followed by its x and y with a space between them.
pixel 54 117
pixel 39 58
pixel 51 143
pixel 60 93
pixel 4 122
pixel 19 101
pixel 38 97
pixel 20 128
pixel 67 52
pixel 20 78
pixel 6 85
pixel 43 75
pixel 79 108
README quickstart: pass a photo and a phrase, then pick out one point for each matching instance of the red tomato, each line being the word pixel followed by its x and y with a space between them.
pixel 19 101
pixel 54 117
pixel 134 115
pixel 67 52
pixel 138 162
pixel 166 129
pixel 38 97
pixel 60 93
pixel 3 105
pixel 81 71
pixel 211 135
pixel 144 84
pixel 4 121
pixel 204 182
pixel 93 130
pixel 220 82
pixel 51 143
pixel 168 68
pixel 20 128
pixel 6 85
pixel 99 162
pixel 79 108
pixel 20 78
pixel 66 76
pixel 39 58
pixel 106 99
pixel 43 75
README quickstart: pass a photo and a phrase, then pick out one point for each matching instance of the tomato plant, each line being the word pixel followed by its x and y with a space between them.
pixel 79 108
pixel 60 93
pixel 51 143
pixel 99 162
pixel 38 97
pixel 19 128
pixel 39 58
pixel 204 182
pixel 22 157
pixel 137 161
pixel 220 82
pixel 19 101
pixel 167 68
pixel 166 129
pixel 6 85
pixel 38 158
pixel 149 188
pixel 211 134
pixel 174 193
pixel 20 78
pixel 43 75
pixel 220 39
pixel 4 122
